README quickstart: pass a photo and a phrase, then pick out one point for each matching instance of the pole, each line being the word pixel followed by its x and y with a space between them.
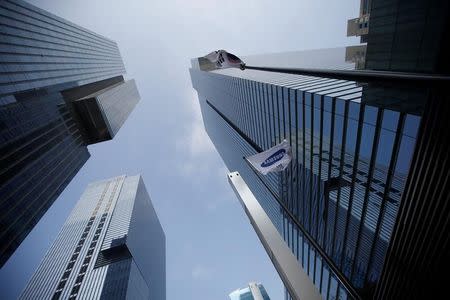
pixel 360 75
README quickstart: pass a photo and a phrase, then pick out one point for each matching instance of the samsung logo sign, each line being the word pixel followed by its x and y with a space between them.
pixel 274 158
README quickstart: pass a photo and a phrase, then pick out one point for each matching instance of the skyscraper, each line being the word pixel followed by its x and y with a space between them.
pixel 367 152
pixel 412 37
pixel 112 246
pixel 61 89
pixel 254 291
pixel 360 26
pixel 337 203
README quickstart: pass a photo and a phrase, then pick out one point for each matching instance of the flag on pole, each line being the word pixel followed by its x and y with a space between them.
pixel 275 159
pixel 222 59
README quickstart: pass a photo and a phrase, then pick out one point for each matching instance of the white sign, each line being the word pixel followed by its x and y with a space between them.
pixel 276 159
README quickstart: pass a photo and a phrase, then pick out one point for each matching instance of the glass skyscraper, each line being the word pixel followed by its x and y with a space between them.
pixel 368 154
pixel 254 291
pixel 61 89
pixel 337 203
pixel 112 246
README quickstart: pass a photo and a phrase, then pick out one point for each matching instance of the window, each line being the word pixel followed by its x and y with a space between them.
pixel 75 290
pixel 56 295
pixel 66 275
pixel 61 285
pixel 79 278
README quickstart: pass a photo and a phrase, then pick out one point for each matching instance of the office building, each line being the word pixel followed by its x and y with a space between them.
pixel 61 89
pixel 112 246
pixel 412 37
pixel 337 203
pixel 360 26
pixel 254 291
pixel 408 36
pixel 366 152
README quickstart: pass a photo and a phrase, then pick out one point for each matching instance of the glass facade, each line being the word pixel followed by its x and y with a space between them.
pixel 113 107
pixel 43 133
pixel 255 291
pixel 102 251
pixel 39 49
pixel 41 150
pixel 390 44
pixel 337 203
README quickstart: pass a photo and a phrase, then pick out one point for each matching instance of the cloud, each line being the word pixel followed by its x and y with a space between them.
pixel 198 140
pixel 222 172
pixel 200 272
pixel 195 143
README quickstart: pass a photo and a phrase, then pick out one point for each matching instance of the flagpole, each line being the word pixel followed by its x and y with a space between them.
pixel 360 75
pixel 223 59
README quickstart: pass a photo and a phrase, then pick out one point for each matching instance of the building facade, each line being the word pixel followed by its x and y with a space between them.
pixel 337 203
pixel 412 37
pixel 360 26
pixel 61 89
pixel 112 246
pixel 254 291
pixel 363 204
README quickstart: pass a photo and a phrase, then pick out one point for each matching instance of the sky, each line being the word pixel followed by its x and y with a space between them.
pixel 211 247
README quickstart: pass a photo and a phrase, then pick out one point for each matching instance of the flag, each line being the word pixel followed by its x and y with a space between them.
pixel 275 159
pixel 222 59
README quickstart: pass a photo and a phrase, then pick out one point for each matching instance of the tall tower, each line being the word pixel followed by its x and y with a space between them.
pixel 61 89
pixel 337 203
pixel 254 291
pixel 112 246
pixel 364 203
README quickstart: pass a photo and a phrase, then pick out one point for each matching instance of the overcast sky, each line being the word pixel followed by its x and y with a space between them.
pixel 211 246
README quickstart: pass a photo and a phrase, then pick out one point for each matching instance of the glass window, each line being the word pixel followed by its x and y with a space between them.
pixel 405 155
pixel 280 99
pixel 411 126
pixel 317 275
pixel 325 282
pixel 390 120
pixel 333 287
pixel 266 114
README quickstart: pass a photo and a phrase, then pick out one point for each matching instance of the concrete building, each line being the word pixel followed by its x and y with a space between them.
pixel 360 26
